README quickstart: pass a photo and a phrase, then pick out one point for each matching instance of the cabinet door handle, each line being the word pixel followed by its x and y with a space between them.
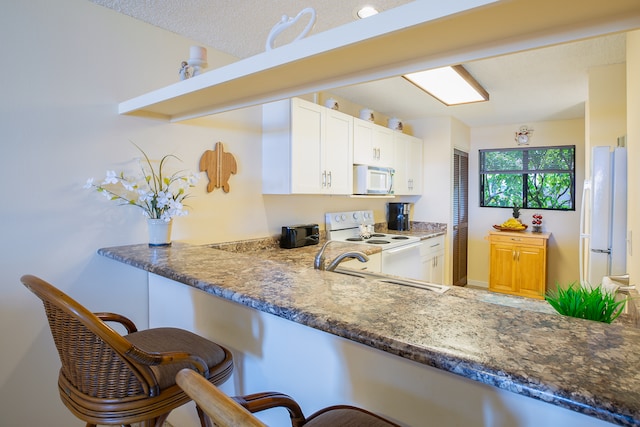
pixel 329 179
pixel 375 153
pixel 516 239
pixel 513 255
pixel 324 179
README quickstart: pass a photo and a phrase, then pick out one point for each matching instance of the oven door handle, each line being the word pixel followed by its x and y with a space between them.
pixel 403 248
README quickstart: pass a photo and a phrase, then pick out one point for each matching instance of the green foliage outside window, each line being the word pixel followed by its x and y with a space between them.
pixel 533 178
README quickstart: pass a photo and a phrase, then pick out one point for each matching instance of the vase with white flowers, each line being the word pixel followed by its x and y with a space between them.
pixel 158 194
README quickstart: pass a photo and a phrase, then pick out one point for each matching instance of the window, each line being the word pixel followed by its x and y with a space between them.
pixel 534 178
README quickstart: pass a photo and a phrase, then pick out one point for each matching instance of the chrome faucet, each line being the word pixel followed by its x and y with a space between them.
pixel 320 260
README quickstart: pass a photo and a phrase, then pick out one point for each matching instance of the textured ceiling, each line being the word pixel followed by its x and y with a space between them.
pixel 239 27
pixel 539 85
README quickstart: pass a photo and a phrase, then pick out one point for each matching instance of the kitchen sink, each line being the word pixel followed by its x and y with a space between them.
pixel 394 280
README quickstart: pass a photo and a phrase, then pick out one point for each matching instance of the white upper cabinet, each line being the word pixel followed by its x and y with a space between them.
pixel 372 144
pixel 306 149
pixel 408 164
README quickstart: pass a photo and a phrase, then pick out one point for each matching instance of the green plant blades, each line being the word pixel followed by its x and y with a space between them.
pixel 585 303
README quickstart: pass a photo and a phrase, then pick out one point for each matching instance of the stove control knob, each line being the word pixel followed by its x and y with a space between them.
pixel 355 215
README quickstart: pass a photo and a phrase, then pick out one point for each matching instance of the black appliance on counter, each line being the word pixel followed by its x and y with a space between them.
pixel 398 216
pixel 297 236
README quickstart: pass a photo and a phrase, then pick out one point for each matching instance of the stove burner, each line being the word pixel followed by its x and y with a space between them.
pixel 378 242
pixel 354 239
pixel 377 235
pixel 400 237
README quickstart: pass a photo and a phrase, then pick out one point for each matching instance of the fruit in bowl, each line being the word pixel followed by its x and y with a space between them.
pixel 511 224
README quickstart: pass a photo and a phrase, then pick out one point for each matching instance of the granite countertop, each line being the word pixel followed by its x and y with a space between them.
pixel 513 343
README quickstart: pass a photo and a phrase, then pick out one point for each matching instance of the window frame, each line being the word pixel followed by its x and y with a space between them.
pixel 525 172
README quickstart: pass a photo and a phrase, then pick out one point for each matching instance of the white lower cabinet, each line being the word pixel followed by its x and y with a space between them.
pixel 408 165
pixel 432 259
pixel 306 149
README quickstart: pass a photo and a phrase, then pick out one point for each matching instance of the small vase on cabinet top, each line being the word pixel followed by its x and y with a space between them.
pixel 159 232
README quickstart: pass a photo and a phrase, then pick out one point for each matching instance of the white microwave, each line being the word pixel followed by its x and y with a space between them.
pixel 372 180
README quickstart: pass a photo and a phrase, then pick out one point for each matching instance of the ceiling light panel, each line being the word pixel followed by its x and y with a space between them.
pixel 450 85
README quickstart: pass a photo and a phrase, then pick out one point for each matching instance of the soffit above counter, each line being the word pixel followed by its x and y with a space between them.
pixel 413 37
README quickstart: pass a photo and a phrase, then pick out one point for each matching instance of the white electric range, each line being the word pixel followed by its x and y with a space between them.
pixel 400 254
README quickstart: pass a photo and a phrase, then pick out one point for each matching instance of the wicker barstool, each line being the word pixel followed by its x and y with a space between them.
pixel 110 379
pixel 237 411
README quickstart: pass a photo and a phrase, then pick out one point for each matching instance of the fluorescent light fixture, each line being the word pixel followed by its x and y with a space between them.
pixel 449 85
pixel 366 11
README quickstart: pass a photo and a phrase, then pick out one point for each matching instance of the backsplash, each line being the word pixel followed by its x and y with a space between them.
pixel 381 227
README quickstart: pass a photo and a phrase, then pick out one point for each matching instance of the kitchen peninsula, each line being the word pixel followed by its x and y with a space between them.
pixel 460 358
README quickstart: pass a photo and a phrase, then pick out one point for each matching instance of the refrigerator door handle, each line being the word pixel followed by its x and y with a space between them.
pixel 601 251
pixel 586 189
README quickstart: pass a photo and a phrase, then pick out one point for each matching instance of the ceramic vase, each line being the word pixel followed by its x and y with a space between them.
pixel 395 124
pixel 159 232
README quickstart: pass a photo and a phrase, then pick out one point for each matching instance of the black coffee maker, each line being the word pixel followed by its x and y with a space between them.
pixel 398 218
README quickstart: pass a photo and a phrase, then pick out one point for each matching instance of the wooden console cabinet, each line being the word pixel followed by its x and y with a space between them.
pixel 518 263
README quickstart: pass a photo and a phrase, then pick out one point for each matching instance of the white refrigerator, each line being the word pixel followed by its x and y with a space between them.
pixel 603 216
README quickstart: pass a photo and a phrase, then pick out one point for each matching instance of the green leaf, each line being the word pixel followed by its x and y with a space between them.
pixel 581 302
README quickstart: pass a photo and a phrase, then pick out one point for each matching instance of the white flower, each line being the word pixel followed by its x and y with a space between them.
pixel 128 185
pixel 89 183
pixel 111 178
pixel 158 194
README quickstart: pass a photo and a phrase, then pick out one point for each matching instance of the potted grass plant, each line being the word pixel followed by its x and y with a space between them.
pixel 590 303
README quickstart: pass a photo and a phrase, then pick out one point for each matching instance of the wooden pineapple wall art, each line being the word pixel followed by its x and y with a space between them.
pixel 219 167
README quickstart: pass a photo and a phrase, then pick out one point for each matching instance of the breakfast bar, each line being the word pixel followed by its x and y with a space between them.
pixel 464 357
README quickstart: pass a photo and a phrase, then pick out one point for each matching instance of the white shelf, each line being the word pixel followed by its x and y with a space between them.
pixel 419 35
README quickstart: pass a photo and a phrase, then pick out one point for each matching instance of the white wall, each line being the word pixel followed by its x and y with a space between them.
pixel 441 136
pixel 67 64
pixel 633 144
pixel 562 255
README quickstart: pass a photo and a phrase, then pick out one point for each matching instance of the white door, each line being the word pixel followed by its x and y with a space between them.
pixel 337 164
pixel 306 147
pixel 599 239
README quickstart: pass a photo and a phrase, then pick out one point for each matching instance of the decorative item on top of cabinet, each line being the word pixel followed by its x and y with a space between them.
pixel 219 167
pixel 537 223
pixel 518 263
pixel 367 114
pixel 395 123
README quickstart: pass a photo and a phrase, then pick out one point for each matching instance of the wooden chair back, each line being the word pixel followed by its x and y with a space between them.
pixel 223 410
pixel 96 360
